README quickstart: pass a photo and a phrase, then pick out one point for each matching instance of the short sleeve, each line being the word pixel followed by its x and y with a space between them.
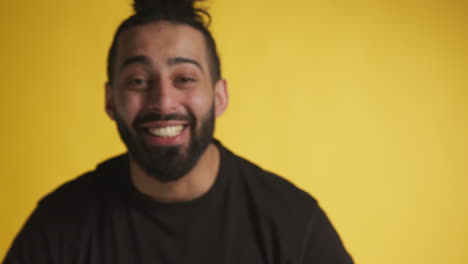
pixel 322 244
pixel 31 245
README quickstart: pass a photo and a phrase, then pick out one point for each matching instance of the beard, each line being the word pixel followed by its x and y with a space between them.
pixel 167 163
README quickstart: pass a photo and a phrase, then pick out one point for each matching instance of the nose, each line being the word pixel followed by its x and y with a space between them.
pixel 162 97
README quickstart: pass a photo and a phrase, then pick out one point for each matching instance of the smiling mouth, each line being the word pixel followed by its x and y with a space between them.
pixel 166 132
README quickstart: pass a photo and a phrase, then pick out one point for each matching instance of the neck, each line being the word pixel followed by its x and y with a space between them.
pixel 191 186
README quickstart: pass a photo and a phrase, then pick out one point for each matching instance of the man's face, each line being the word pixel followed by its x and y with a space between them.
pixel 163 98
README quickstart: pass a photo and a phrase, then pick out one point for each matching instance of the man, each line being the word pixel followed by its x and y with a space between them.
pixel 178 196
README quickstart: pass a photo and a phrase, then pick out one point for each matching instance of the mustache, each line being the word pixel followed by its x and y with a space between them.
pixel 149 117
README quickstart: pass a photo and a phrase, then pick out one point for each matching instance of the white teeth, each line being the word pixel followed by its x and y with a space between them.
pixel 170 131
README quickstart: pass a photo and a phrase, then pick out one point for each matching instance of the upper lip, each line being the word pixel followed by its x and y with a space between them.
pixel 155 124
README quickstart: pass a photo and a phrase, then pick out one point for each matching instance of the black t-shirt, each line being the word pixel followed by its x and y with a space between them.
pixel 248 216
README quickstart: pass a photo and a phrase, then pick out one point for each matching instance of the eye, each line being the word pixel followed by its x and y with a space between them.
pixel 137 83
pixel 185 79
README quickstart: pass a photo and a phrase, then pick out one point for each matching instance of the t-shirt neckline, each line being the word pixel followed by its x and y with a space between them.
pixel 139 198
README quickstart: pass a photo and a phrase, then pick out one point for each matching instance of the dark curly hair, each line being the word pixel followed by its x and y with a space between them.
pixel 175 11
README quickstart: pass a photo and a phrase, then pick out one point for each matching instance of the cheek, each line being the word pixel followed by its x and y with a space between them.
pixel 201 103
pixel 128 106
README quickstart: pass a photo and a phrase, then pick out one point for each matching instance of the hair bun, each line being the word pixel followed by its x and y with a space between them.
pixel 143 6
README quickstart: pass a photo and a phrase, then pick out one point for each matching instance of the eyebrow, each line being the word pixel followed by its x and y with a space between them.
pixel 171 62
pixel 182 60
pixel 136 60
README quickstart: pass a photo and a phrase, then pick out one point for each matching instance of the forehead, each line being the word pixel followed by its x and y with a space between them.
pixel 160 41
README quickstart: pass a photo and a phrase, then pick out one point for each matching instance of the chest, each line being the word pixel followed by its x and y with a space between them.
pixel 225 234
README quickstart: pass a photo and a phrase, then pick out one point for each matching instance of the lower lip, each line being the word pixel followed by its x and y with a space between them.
pixel 168 141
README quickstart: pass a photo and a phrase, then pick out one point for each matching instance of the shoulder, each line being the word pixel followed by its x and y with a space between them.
pixel 273 193
pixel 85 190
pixel 276 187
pixel 289 212
pixel 64 218
pixel 73 189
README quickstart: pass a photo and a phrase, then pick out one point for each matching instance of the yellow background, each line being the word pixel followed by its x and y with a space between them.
pixel 361 103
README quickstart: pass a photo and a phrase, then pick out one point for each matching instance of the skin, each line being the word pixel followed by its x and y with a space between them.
pixel 148 78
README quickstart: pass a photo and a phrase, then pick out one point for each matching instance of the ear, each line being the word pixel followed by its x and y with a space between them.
pixel 109 104
pixel 221 97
